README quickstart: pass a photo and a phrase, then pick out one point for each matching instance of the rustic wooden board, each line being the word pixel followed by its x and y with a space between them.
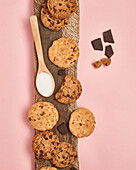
pixel 47 37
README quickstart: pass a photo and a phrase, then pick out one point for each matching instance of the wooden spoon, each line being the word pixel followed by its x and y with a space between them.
pixel 44 80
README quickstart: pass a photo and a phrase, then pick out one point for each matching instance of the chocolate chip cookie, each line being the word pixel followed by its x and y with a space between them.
pixel 64 52
pixel 82 122
pixel 50 22
pixel 64 155
pixel 44 144
pixel 69 91
pixel 62 8
pixel 43 116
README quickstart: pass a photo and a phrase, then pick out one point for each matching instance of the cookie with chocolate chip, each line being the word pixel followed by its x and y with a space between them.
pixel 47 168
pixel 43 115
pixel 69 91
pixel 64 155
pixel 82 122
pixel 62 8
pixel 44 144
pixel 64 52
pixel 50 22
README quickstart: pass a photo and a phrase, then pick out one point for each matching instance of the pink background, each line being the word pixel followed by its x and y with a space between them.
pixel 109 92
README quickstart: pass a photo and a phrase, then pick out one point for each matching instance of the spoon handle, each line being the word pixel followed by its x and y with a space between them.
pixel 37 39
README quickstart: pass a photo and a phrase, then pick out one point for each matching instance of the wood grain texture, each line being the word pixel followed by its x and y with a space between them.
pixel 47 38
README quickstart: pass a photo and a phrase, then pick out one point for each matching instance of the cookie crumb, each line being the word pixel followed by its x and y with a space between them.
pixel 97 64
pixel 106 61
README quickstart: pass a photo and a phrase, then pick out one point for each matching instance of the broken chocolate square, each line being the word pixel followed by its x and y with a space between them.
pixel 62 128
pixel 73 168
pixel 109 51
pixel 97 44
pixel 107 36
pixel 61 73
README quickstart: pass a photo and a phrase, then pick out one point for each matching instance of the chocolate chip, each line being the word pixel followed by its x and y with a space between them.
pixel 41 107
pixel 73 168
pixel 69 58
pixel 49 20
pixel 72 11
pixel 45 154
pixel 61 73
pixel 30 119
pixel 46 138
pixel 74 92
pixel 80 124
pixel 52 154
pixel 62 128
pixel 41 151
pixel 97 44
pixel 75 156
pixel 50 136
pixel 68 6
pixel 53 143
pixel 107 36
pixel 109 51
pixel 60 4
pixel 42 113
pixel 58 22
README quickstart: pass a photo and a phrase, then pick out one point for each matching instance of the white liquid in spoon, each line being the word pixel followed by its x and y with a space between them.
pixel 44 84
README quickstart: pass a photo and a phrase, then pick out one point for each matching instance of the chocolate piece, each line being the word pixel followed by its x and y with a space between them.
pixel 107 36
pixel 109 51
pixel 97 44
pixel 61 73
pixel 73 168
pixel 62 128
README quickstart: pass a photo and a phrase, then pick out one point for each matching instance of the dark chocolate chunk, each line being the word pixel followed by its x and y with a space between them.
pixel 61 73
pixel 62 128
pixel 73 168
pixel 107 36
pixel 97 44
pixel 109 51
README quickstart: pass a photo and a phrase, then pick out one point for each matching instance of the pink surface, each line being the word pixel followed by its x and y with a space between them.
pixel 109 92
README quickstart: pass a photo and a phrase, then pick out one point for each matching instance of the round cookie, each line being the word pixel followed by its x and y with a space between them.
pixel 44 144
pixel 47 168
pixel 64 52
pixel 64 155
pixel 82 122
pixel 62 8
pixel 51 22
pixel 43 116
pixel 69 91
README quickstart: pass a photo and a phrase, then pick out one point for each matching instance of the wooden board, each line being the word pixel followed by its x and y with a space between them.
pixel 47 38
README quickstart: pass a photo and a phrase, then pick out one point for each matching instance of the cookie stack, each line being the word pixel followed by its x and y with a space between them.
pixel 55 14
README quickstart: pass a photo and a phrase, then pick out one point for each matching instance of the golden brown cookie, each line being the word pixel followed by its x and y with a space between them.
pixel 97 64
pixel 43 116
pixel 82 122
pixel 47 168
pixel 62 8
pixel 69 91
pixel 64 155
pixel 50 22
pixel 64 52
pixel 106 61
pixel 44 144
